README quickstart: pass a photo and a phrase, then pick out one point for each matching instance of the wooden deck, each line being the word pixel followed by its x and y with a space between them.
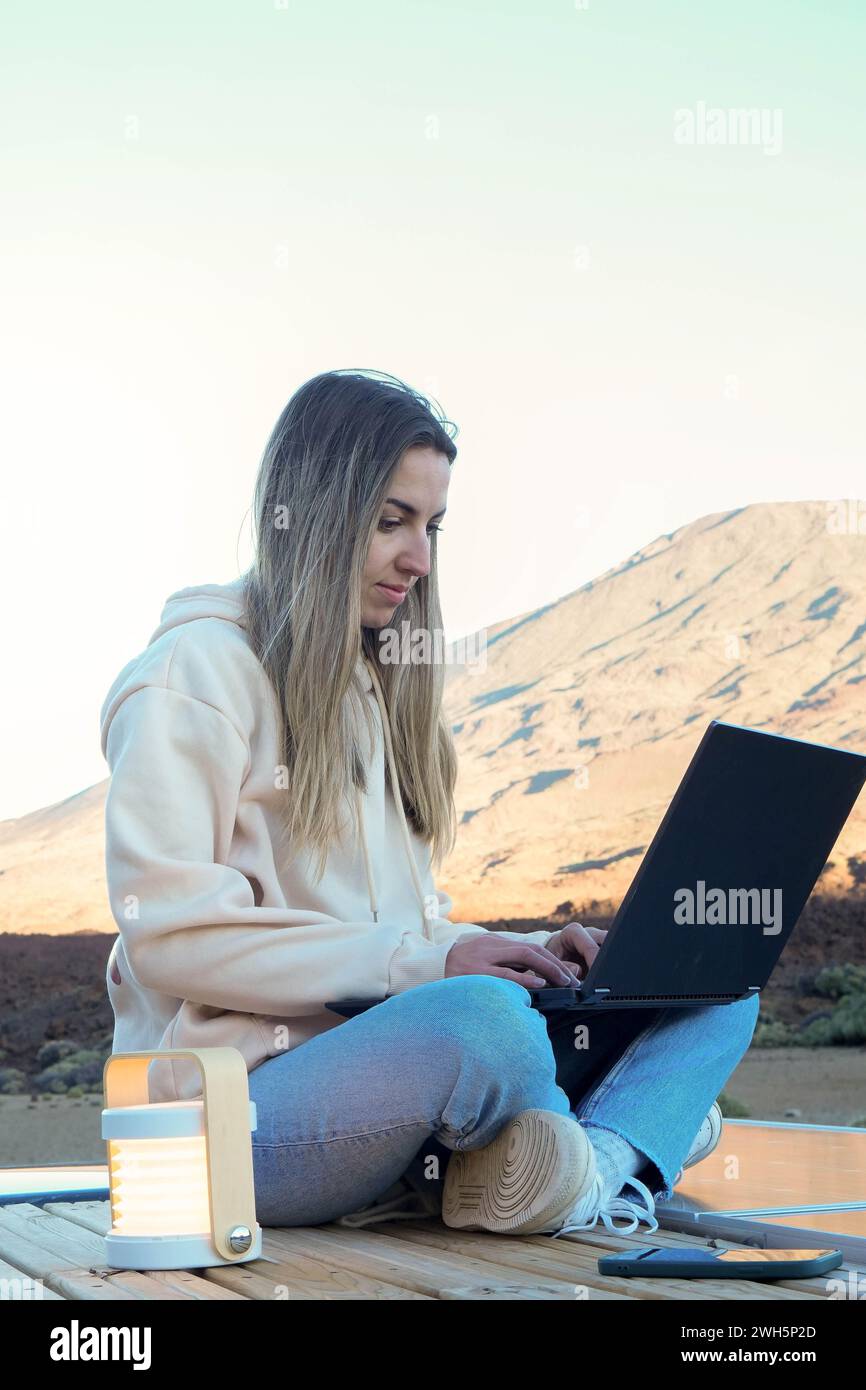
pixel 60 1244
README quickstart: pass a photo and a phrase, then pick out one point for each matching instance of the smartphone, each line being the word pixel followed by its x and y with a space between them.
pixel 703 1262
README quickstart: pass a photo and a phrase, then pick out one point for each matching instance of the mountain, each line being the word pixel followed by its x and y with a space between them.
pixel 52 867
pixel 572 740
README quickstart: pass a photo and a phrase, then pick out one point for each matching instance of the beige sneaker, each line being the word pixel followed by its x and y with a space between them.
pixel 704 1141
pixel 538 1176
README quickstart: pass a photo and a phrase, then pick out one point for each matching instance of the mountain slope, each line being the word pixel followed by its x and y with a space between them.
pixel 572 741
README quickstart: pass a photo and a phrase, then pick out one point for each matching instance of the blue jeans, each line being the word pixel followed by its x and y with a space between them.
pixel 446 1065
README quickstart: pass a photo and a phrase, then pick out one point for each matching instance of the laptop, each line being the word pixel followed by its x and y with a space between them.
pixel 725 879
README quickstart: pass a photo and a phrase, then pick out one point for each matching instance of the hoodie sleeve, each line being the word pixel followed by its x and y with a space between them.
pixel 420 960
pixel 190 924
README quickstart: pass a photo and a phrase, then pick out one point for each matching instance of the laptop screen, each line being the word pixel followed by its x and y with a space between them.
pixel 731 865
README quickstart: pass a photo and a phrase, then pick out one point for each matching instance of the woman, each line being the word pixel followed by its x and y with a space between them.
pixel 279 792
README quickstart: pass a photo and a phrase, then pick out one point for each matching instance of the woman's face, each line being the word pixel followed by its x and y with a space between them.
pixel 399 553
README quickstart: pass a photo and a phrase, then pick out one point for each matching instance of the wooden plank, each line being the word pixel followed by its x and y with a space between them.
pixel 575 1261
pixel 92 1216
pixel 301 1277
pixel 54 1233
pixel 142 1284
pixel 373 1254
pixel 69 1259
pixel 304 1279
pixel 254 1281
pixel 42 1295
pixel 519 1262
pixel 96 1217
pixel 481 1293
pixel 189 1283
pixel 64 1278
pixel 534 1252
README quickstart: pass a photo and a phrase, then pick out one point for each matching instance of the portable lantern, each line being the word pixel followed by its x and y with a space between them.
pixel 180 1173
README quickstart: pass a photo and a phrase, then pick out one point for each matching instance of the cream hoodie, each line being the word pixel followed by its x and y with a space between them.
pixel 222 943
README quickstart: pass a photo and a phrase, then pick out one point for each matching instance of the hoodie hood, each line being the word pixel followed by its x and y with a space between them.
pixel 226 602
pixel 221 601
pixel 202 601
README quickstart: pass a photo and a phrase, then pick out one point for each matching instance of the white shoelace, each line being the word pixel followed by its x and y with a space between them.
pixel 406 1206
pixel 585 1213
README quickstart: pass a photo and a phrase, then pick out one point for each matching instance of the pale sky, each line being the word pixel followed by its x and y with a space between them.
pixel 206 204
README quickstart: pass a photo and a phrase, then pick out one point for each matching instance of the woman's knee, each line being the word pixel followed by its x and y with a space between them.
pixel 459 1001
pixel 489 1018
pixel 458 1004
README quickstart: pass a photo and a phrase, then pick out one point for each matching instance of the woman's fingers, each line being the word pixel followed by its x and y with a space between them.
pixel 540 961
pixel 582 943
pixel 597 933
pixel 525 978
pixel 523 961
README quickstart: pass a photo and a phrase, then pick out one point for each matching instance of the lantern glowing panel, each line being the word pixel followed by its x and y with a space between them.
pixel 160 1173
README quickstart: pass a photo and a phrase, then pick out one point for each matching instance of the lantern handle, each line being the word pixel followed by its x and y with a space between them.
pixel 226 1117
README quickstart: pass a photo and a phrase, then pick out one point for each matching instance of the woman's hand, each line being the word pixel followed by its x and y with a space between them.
pixel 575 943
pixel 522 961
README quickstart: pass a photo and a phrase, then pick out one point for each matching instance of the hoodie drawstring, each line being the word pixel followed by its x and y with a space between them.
pixel 398 798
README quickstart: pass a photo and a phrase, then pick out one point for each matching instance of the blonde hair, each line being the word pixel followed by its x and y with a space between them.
pixel 319 493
